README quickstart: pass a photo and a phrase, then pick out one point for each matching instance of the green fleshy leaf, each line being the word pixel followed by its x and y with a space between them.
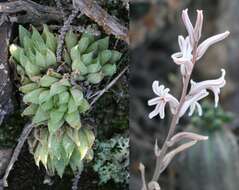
pixel 50 39
pixel 55 146
pixel 28 87
pixel 84 147
pixel 105 56
pixel 64 97
pixel 75 53
pixel 89 135
pixel 48 105
pixel 83 44
pixel 109 69
pixel 31 57
pixel 50 166
pixel 103 43
pixel 71 40
pixel 16 52
pixel 44 96
pixel 57 88
pixel 72 107
pixel 28 44
pixel 90 155
pixel 30 110
pixel 76 161
pixel 116 56
pixel 65 82
pixel 79 66
pixel 40 60
pixel 63 107
pixel 53 127
pixel 56 116
pixel 50 58
pixel 68 145
pixel 40 116
pixel 23 59
pixel 47 81
pixel 54 74
pixel 60 166
pixel 73 134
pixel 43 154
pixel 73 119
pixel 94 47
pixel 22 34
pixel 37 152
pixel 77 96
pixel 66 57
pixel 95 78
pixel 90 37
pixel 84 106
pixel 22 73
pixel 87 58
pixel 33 96
pixel 38 40
pixel 55 100
pixel 32 70
pixel 94 68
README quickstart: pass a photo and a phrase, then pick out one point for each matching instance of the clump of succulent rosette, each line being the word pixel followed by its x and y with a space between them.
pixel 56 98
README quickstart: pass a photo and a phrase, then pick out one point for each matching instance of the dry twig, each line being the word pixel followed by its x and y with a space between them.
pixel 76 181
pixel 101 92
pixel 25 133
pixel 35 13
pixel 109 23
pixel 63 32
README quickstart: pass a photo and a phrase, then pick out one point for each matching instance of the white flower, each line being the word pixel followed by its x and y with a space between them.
pixel 191 101
pixel 184 57
pixel 213 85
pixel 160 102
pixel 194 33
pixel 202 48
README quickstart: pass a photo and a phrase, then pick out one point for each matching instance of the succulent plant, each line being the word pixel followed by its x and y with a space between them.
pixel 66 146
pixel 56 100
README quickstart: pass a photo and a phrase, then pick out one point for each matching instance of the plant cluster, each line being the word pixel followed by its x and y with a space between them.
pixel 112 160
pixel 56 92
pixel 212 118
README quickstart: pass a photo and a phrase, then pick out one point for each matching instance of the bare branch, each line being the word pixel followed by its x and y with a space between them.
pixel 76 180
pixel 25 133
pixel 109 85
pixel 35 13
pixel 109 23
pixel 63 32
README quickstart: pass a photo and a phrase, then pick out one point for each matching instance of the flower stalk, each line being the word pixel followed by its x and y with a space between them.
pixel 190 52
pixel 173 124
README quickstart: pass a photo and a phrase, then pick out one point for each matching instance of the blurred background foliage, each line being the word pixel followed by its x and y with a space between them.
pixel 154 28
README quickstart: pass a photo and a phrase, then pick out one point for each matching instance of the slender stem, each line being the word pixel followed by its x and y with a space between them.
pixel 174 121
pixel 25 133
pixel 100 93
